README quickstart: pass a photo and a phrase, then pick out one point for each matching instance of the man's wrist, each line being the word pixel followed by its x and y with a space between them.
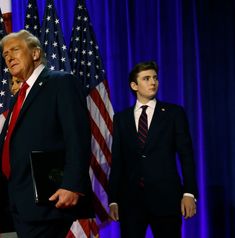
pixel 190 195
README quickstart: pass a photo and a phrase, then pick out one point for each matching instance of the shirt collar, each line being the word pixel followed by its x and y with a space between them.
pixel 31 80
pixel 151 104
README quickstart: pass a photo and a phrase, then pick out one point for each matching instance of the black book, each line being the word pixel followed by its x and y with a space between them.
pixel 47 169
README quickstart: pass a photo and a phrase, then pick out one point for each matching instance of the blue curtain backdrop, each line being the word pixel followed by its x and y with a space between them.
pixel 193 42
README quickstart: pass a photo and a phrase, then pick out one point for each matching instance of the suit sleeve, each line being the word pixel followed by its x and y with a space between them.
pixel 116 167
pixel 74 119
pixel 185 150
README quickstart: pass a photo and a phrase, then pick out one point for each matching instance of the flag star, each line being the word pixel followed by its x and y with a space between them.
pixel 30 5
pixel 1 104
pixel 53 56
pixel 90 52
pixel 88 75
pixel 80 7
pixel 96 76
pixel 76 50
pixel 63 59
pixel 85 18
pixel 28 16
pixel 5 70
pixel 55 44
pixel 79 18
pixel 52 67
pixel 48 18
pixel 82 62
pixel 46 42
pixel 64 47
pixel 81 73
pixel 35 27
pixel 47 30
pixel 77 39
pixel 2 93
pixel 83 52
pixel 57 21
pixel 49 6
pixel 75 60
pixel 89 63
pixel 78 28
pixel 4 81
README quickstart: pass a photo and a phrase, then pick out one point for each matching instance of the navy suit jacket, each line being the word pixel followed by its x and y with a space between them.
pixel 53 117
pixel 156 164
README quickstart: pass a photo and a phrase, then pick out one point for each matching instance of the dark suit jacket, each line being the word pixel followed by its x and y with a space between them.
pixel 156 164
pixel 53 117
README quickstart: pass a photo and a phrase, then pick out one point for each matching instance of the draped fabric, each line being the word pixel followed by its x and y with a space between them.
pixel 193 41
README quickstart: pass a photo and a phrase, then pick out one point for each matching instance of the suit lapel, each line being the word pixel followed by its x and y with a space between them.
pixel 130 125
pixel 158 119
pixel 37 86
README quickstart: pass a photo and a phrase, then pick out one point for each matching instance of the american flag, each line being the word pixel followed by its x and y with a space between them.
pixel 52 40
pixel 87 65
pixel 5 94
pixel 32 23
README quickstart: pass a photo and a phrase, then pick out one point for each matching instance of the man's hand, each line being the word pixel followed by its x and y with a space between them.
pixel 188 207
pixel 65 198
pixel 113 212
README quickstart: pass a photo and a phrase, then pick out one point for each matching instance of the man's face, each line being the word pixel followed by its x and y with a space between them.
pixel 146 86
pixel 18 58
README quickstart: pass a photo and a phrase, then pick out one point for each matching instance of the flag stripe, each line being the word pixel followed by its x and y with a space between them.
pixel 97 95
pixel 99 173
pixel 100 140
pixel 101 211
pixel 98 119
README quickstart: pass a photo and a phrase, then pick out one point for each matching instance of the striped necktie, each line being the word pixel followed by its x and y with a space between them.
pixel 143 126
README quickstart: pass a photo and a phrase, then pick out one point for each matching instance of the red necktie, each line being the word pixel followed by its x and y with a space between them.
pixel 143 126
pixel 6 169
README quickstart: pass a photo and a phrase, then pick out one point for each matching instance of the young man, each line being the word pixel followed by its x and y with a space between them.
pixel 49 114
pixel 145 187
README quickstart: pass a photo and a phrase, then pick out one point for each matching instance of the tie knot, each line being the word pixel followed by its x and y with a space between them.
pixel 144 107
pixel 23 88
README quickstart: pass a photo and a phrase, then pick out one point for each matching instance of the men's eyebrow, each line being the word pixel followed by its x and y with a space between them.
pixel 12 48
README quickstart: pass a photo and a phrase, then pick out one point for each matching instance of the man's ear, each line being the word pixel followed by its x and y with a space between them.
pixel 36 54
pixel 134 86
